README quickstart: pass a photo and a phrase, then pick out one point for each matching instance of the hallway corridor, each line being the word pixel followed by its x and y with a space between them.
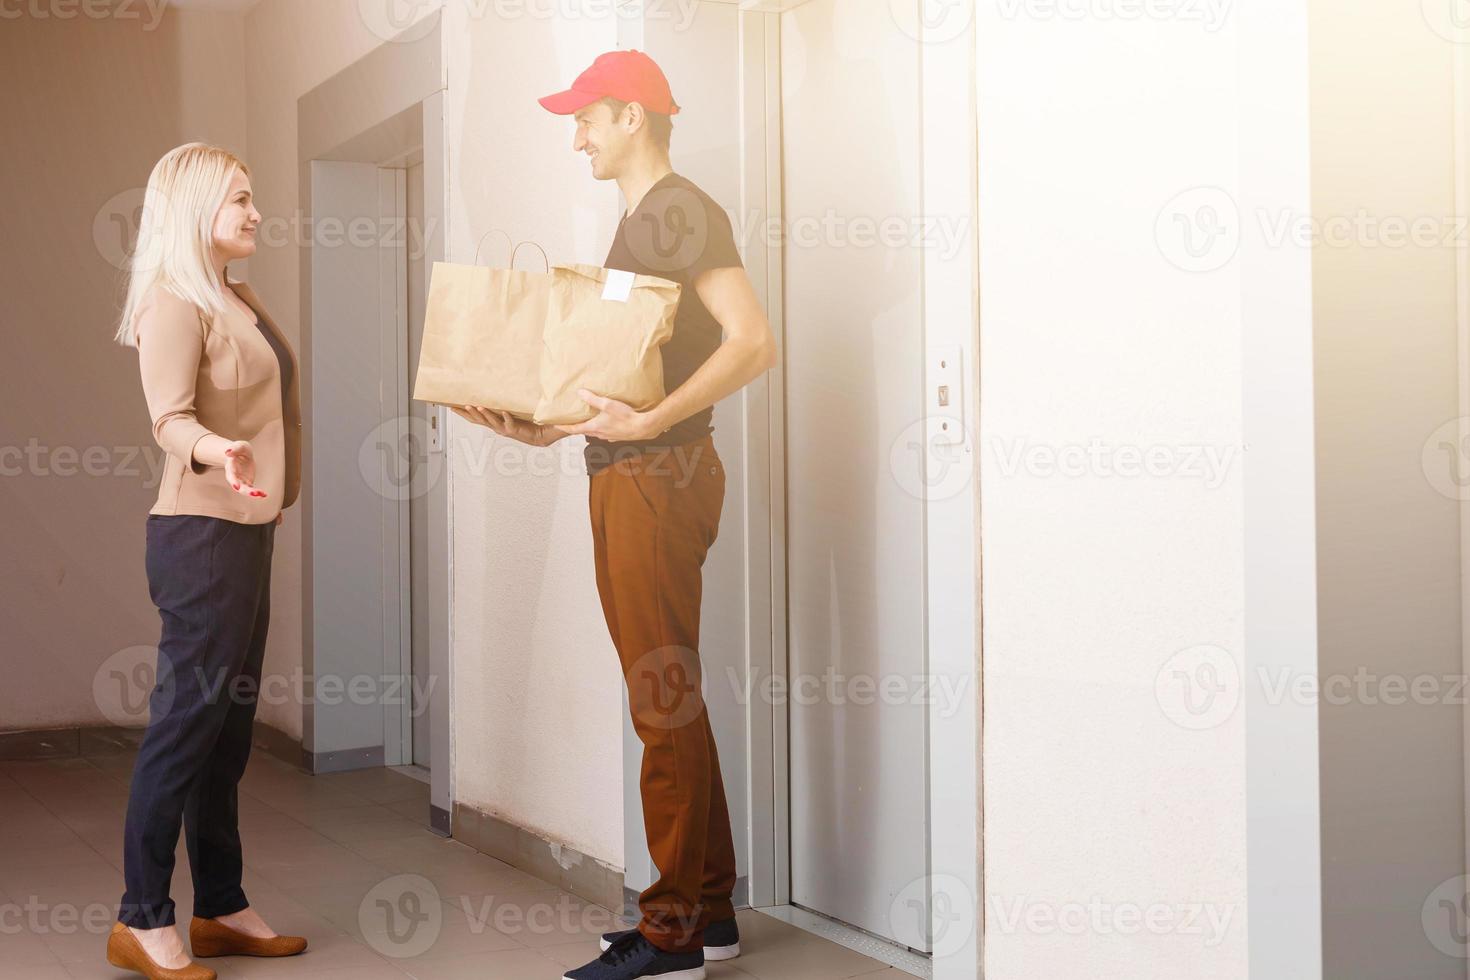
pixel 334 858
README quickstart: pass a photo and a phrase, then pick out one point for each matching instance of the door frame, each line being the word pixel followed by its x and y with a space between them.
pixel 376 111
pixel 950 300
pixel 394 398
pixel 1462 329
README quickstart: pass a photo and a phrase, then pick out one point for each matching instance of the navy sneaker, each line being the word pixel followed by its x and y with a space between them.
pixel 632 957
pixel 721 940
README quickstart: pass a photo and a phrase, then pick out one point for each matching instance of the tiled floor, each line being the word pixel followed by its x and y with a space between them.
pixel 341 859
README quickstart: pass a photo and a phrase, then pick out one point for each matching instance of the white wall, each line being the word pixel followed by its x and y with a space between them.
pixel 110 96
pixel 537 690
pixel 1108 803
pixel 104 99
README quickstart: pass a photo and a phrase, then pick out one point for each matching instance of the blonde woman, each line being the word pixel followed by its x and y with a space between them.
pixel 220 381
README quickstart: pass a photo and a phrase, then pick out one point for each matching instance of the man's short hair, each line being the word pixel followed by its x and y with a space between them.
pixel 660 126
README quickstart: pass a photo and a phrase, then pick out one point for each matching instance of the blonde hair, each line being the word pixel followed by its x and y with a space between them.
pixel 176 232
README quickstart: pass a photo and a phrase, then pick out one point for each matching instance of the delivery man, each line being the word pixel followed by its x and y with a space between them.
pixel 656 492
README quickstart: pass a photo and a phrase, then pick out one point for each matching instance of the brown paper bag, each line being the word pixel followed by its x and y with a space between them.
pixel 483 338
pixel 604 329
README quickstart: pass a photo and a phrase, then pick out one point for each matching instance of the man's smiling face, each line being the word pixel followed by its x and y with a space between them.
pixel 602 138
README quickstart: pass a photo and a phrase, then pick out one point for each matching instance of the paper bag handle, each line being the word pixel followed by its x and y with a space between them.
pixel 514 249
pixel 481 244
pixel 538 248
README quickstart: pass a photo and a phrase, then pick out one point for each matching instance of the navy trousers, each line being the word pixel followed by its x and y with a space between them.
pixel 210 580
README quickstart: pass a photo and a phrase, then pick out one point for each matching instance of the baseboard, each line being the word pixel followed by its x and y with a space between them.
pixel 287 748
pixel 64 743
pixel 345 760
pixel 570 870
pixel 740 898
pixel 278 745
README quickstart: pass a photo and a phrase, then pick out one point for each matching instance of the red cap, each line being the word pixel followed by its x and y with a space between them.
pixel 628 76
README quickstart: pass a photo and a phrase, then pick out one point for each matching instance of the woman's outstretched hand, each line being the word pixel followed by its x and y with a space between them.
pixel 240 469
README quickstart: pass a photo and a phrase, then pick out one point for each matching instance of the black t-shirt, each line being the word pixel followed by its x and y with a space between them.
pixel 676 232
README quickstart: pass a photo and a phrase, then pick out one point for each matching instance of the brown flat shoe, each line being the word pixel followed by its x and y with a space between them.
pixel 211 937
pixel 125 952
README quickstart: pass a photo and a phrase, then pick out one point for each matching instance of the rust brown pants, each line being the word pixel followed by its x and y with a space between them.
pixel 654 517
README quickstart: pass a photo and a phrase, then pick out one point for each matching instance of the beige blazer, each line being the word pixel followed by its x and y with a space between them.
pixel 216 374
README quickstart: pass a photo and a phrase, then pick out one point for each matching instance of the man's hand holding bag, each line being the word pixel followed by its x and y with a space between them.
pixel 604 331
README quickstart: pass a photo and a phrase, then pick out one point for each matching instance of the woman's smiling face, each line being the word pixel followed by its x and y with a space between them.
pixel 237 220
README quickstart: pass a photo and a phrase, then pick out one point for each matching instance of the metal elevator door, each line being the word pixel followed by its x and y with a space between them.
pixel 854 378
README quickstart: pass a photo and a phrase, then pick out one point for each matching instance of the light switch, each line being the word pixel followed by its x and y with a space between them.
pixel 944 406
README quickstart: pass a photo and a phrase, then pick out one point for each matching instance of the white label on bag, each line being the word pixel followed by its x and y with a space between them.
pixel 619 286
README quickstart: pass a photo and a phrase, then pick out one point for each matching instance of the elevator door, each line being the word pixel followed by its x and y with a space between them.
pixel 855 534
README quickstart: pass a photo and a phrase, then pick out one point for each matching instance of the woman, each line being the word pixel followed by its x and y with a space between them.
pixel 221 385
